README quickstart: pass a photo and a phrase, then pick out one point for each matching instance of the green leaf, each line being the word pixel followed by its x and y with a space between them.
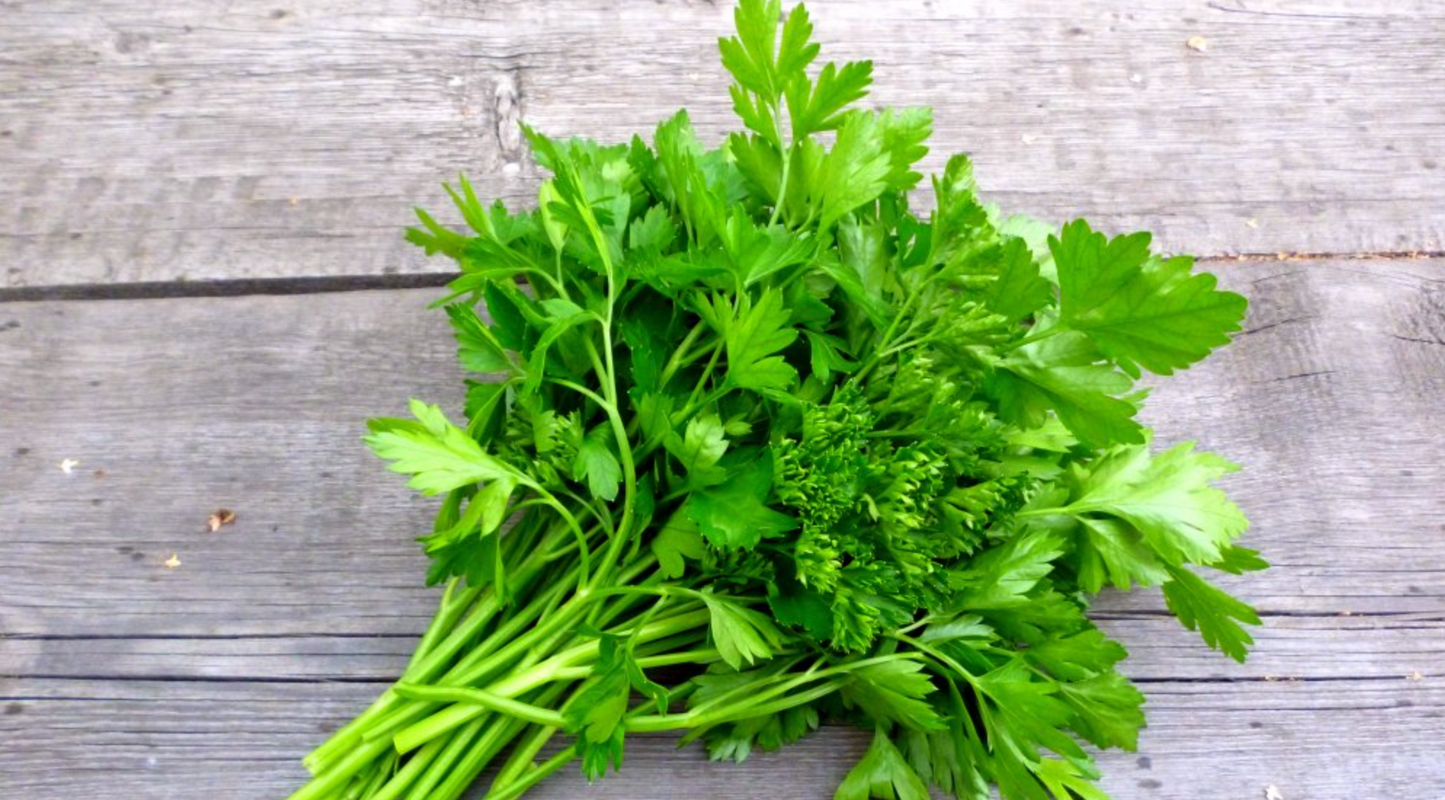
pixel 1062 374
pixel 477 348
pixel 855 171
pixel 683 182
pixel 905 132
pixel 699 449
pixel 555 229
pixel 437 455
pixel 1202 606
pixel 1019 289
pixel 1078 655
pixel 760 162
pixel 966 627
pixel 734 514
pixel 653 231
pixel 882 773
pixel 751 55
pixel 894 691
pixel 1137 308
pixel 816 106
pixel 758 61
pixel 736 741
pixel 597 463
pixel 677 542
pixel 797 606
pixel 1108 710
pixel 565 316
pixel 1025 712
pixel 1168 499
pixel 760 330
pixel 827 355
pixel 740 634
pixel 594 716
pixel 1238 560
pixel 654 414
pixel 1111 551
pixel 1068 781
pixel 504 306
pixel 1003 576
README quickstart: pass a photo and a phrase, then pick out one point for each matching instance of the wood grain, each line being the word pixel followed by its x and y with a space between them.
pixel 239 741
pixel 244 139
pixel 1373 646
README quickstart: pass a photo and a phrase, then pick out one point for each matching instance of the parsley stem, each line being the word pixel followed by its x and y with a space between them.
pixel 521 759
pixel 533 777
pixel 1036 336
pixel 456 745
pixel 425 669
pixel 501 732
pixel 410 772
pixel 482 698
pixel 676 361
pixel 439 723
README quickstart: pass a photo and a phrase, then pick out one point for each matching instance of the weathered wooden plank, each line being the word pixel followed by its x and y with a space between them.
pixel 232 741
pixel 255 404
pixel 245 139
pixel 1287 647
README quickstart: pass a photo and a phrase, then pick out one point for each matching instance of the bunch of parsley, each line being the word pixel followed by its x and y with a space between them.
pixel 755 443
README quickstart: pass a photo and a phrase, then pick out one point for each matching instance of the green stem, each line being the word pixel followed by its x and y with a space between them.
pixel 677 360
pixel 1036 337
pixel 523 755
pixel 442 766
pixel 439 723
pixel 408 774
pixel 481 698
pixel 534 777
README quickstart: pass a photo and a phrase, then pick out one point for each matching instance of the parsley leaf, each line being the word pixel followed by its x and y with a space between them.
pixel 760 330
pixel 1202 605
pixel 883 773
pixel 1137 308
pixel 437 455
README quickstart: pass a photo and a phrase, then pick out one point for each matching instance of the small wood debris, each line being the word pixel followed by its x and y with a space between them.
pixel 219 517
pixel 293 201
pixel 1028 138
pixel 1198 44
pixel 1347 613
pixel 172 562
pixel 1135 78
pixel 1270 679
pixel 1251 223
pixel 1415 676
pixel 1272 792
pixel 68 465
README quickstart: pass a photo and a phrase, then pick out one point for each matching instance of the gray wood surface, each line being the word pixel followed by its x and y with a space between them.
pixel 212 140
pixel 277 147
pixel 1313 740
pixel 213 678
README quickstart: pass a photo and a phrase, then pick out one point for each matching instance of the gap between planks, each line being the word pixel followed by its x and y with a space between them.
pixel 238 287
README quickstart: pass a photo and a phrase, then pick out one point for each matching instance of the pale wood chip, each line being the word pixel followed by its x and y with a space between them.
pixel 172 562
